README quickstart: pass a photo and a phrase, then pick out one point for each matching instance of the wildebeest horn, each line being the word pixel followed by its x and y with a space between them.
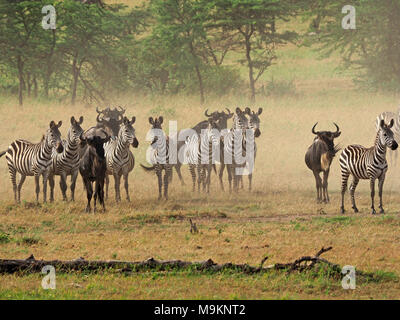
pixel 98 118
pixel 206 113
pixel 229 111
pixel 99 112
pixel 122 110
pixel 313 129
pixel 337 127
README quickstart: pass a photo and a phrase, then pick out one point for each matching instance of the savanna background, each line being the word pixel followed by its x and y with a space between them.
pixel 176 58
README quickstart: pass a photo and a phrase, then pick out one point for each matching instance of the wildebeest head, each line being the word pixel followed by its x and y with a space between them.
pixel 386 134
pixel 127 132
pixel 327 136
pixel 254 121
pixel 54 136
pixel 96 137
pixel 110 118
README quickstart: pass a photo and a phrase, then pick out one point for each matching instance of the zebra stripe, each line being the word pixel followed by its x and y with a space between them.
pixel 120 160
pixel 67 162
pixel 201 154
pixel 29 159
pixel 367 163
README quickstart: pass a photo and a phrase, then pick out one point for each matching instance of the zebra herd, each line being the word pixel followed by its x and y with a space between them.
pixel 355 160
pixel 53 156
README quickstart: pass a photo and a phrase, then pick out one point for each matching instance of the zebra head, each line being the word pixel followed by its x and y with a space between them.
pixel 386 136
pixel 155 126
pixel 75 130
pixel 53 136
pixel 127 132
pixel 240 120
pixel 254 121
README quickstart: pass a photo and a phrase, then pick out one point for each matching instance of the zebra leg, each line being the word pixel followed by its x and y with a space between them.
pixel 209 168
pixel 241 181
pixel 126 184
pixel 13 178
pixel 353 187
pixel 250 179
pixel 372 185
pixel 318 185
pixel 345 178
pixel 74 176
pixel 229 171
pixel 178 171
pixel 21 182
pixel 117 180
pixel 192 169
pixel 220 174
pixel 51 184
pixel 37 187
pixel 380 184
pixel 96 193
pixel 45 177
pixel 100 192
pixel 159 177
pixel 204 176
pixel 107 182
pixel 166 180
pixel 199 177
pixel 63 185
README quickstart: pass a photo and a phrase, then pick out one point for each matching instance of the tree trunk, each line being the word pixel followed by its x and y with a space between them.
pixel 251 71
pixel 49 64
pixel 75 74
pixel 20 65
pixel 35 86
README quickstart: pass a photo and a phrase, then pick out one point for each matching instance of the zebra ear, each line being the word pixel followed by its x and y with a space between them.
pixel 259 111
pixel 59 124
pixel 382 124
pixel 391 123
pixel 52 124
pixel 133 120
pixel 247 111
pixel 151 121
pixel 238 111
pixel 73 121
pixel 80 120
pixel 160 119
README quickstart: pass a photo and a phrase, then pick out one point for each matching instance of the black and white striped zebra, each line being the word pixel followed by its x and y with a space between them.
pixel 120 160
pixel 30 159
pixel 201 153
pixel 367 163
pixel 234 148
pixel 158 155
pixel 67 162
pixel 387 116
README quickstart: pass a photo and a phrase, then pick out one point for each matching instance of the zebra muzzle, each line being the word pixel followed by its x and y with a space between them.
pixel 59 147
pixel 135 143
pixel 394 145
pixel 257 133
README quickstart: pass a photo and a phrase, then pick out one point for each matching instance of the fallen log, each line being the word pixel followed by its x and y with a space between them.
pixel 31 265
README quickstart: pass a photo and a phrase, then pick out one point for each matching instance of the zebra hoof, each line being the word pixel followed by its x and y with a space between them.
pixel 342 211
pixel 382 211
pixel 373 212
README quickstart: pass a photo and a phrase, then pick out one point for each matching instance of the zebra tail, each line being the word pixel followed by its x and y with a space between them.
pixel 147 168
pixel 3 153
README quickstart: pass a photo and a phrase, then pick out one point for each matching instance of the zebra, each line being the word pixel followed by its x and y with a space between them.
pixel 387 117
pixel 235 137
pixel 254 125
pixel 120 160
pixel 199 153
pixel 67 162
pixel 367 163
pixel 159 156
pixel 31 159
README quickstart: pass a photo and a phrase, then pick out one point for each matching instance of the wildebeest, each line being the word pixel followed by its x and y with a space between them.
pixel 319 157
pixel 110 119
pixel 93 164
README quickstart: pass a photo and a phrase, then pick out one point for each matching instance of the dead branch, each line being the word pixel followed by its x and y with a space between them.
pixel 31 265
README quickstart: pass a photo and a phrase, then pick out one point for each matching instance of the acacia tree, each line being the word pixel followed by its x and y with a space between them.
pixel 254 23
pixel 18 28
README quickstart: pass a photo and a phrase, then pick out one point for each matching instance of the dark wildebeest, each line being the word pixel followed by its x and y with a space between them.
pixel 110 119
pixel 93 164
pixel 319 157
